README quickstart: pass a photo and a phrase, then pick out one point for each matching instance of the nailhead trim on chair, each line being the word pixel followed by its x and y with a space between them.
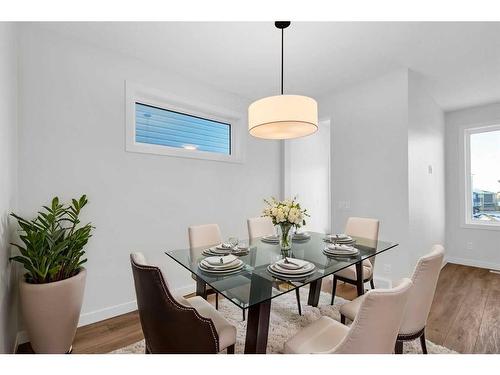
pixel 179 306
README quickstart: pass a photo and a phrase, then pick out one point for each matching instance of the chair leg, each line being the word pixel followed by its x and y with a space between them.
pixel 297 294
pixel 422 342
pixel 334 289
pixel 372 284
pixel 230 349
pixel 244 314
pixel 398 348
pixel 216 301
pixel 342 319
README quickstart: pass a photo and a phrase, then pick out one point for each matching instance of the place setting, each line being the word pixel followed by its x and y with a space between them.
pixel 340 239
pixel 301 236
pixel 291 268
pixel 273 239
pixel 340 250
pixel 231 246
pixel 221 265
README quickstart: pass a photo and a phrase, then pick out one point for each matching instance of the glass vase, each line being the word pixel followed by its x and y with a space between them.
pixel 285 234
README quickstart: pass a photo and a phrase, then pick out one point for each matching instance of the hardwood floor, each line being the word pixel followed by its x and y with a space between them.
pixel 465 316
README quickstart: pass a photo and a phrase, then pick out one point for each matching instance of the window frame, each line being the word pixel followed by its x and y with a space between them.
pixel 467 210
pixel 135 93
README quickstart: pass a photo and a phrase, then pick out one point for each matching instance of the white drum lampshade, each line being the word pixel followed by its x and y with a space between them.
pixel 283 117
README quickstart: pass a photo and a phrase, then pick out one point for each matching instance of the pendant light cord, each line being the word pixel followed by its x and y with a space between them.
pixel 282 38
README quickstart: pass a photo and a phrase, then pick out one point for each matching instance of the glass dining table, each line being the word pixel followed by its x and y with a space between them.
pixel 254 286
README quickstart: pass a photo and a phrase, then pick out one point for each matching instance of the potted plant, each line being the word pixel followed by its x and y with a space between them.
pixel 285 215
pixel 51 291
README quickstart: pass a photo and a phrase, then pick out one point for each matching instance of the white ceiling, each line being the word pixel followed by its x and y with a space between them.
pixel 459 61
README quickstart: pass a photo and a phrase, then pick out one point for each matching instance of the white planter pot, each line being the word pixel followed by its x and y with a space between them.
pixel 51 312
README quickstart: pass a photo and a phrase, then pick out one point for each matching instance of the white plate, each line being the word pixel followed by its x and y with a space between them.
pixel 340 253
pixel 270 238
pixel 222 271
pixel 276 267
pixel 288 276
pixel 293 264
pixel 216 260
pixel 220 252
pixel 234 264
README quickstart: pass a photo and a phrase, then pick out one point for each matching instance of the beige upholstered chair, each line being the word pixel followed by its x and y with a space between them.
pixel 368 230
pixel 425 277
pixel 260 227
pixel 263 226
pixel 374 329
pixel 203 236
pixel 174 324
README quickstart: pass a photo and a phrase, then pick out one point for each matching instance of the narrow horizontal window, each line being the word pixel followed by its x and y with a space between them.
pixel 163 127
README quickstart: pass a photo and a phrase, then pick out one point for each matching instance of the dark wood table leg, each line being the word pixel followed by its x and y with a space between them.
pixel 359 278
pixel 314 292
pixel 257 328
pixel 201 288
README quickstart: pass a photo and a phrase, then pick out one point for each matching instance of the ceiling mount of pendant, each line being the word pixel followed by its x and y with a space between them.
pixel 282 24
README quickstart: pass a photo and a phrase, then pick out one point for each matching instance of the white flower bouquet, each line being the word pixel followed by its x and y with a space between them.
pixel 286 214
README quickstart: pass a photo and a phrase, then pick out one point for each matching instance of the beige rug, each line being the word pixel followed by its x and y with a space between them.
pixel 285 322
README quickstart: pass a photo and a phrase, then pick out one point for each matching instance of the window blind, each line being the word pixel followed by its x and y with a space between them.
pixel 158 126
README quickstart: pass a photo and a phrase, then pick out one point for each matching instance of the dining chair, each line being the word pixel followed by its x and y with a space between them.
pixel 373 331
pixel 263 226
pixel 203 236
pixel 367 229
pixel 260 227
pixel 174 324
pixel 425 277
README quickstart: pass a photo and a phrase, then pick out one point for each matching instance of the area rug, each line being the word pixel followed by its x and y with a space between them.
pixel 285 322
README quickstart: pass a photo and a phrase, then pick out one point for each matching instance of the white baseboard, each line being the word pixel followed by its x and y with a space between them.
pixel 106 313
pixel 474 263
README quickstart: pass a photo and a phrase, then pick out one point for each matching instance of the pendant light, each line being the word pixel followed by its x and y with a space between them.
pixel 283 116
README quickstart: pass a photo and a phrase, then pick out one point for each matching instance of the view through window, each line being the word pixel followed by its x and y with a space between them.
pixel 485 176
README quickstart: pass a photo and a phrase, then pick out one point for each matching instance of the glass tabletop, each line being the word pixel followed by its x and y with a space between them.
pixel 255 284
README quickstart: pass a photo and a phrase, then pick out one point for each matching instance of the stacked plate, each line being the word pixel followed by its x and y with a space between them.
pixel 291 268
pixel 340 250
pixel 301 236
pixel 223 265
pixel 271 239
pixel 223 249
pixel 341 238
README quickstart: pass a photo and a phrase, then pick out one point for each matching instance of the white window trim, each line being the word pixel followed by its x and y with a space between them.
pixel 157 98
pixel 466 188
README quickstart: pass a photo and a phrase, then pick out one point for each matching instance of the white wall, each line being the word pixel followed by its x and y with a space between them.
pixel 385 134
pixel 72 141
pixel 426 169
pixel 369 148
pixel 485 249
pixel 306 167
pixel 8 183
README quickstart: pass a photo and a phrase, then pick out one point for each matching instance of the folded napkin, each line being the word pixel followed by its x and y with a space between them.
pixel 219 261
pixel 294 264
pixel 345 248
